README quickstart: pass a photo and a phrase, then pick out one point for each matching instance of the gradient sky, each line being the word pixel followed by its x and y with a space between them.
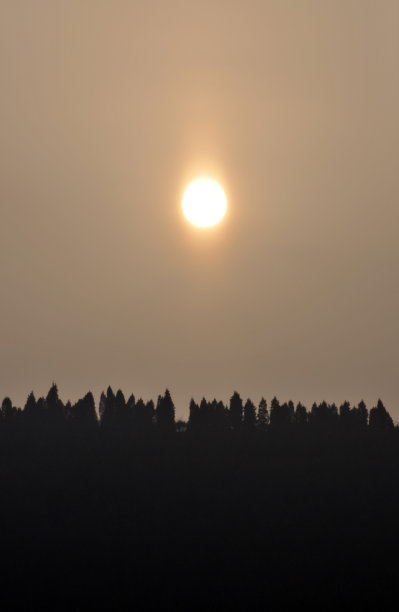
pixel 109 108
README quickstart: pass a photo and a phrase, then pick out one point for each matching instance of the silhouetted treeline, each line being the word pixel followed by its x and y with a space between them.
pixel 117 506
pixel 115 413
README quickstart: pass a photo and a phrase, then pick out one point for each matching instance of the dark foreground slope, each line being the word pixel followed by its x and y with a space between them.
pixel 199 522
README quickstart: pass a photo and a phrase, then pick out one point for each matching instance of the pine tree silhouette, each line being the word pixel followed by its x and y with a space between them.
pixel 236 411
pixel 30 410
pixel 165 413
pixel 281 415
pixel 249 415
pixel 263 419
pixel 301 415
pixel 8 412
pixel 380 419
pixel 193 418
pixel 55 408
pixel 83 413
pixel 361 415
pixel 107 409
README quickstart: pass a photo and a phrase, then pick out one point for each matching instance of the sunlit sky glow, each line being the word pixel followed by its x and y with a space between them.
pixel 110 109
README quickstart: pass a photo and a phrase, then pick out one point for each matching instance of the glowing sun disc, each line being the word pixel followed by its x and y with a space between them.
pixel 204 202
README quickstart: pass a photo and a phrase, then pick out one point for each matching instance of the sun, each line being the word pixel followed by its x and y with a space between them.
pixel 204 202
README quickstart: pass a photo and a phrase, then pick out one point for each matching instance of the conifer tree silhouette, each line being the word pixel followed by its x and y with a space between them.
pixel 130 407
pixel 236 410
pixel 83 413
pixel 102 406
pixel 323 414
pixel 263 415
pixel 249 415
pixel 290 412
pixel 361 415
pixel 148 415
pixel 204 410
pixel 55 408
pixel 193 418
pixel 344 415
pixel 7 411
pixel 221 415
pixel 278 414
pixel 121 412
pixel 120 403
pixel 165 413
pixel 301 415
pixel 107 409
pixel 30 406
pixel 380 419
pixel 143 416
pixel 275 417
pixel 41 409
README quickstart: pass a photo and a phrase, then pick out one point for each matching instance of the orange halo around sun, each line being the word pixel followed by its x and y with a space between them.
pixel 204 202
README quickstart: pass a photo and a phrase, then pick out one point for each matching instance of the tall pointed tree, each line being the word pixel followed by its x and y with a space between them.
pixel 102 406
pixel 30 410
pixel 83 413
pixel 362 414
pixel 55 408
pixel 165 413
pixel 249 415
pixel 193 418
pixel 263 415
pixel 107 408
pixel 236 410
pixel 301 415
pixel 344 414
pixel 380 419
pixel 276 413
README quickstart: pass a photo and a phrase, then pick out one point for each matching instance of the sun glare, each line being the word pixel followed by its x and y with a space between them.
pixel 204 202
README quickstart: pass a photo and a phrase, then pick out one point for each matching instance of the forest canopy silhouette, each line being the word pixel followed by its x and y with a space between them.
pixel 119 506
pixel 131 415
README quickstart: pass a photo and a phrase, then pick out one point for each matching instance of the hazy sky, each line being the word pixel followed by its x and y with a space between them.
pixel 109 108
